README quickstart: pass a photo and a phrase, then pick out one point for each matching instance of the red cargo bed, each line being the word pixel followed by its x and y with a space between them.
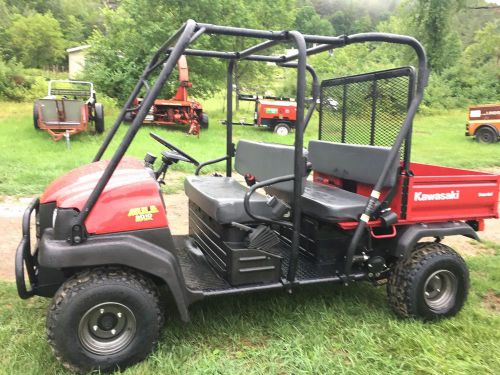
pixel 437 194
pixel 440 193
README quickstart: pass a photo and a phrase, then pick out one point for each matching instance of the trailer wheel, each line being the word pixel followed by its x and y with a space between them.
pixel 104 318
pixel 485 134
pixel 99 118
pixel 282 129
pixel 204 121
pixel 432 282
pixel 36 116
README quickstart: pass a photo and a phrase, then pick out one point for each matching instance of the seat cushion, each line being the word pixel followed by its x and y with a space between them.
pixel 222 199
pixel 331 203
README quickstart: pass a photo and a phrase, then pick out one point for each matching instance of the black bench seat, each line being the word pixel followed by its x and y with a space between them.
pixel 331 203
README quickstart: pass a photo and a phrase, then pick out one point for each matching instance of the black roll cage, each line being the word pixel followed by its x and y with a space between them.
pixel 166 57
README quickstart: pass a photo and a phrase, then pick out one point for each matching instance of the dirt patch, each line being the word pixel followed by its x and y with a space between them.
pixel 177 212
pixel 468 247
pixel 491 301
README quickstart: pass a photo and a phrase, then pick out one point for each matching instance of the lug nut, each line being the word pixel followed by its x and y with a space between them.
pixel 113 331
pixel 95 328
pixel 119 315
pixel 101 311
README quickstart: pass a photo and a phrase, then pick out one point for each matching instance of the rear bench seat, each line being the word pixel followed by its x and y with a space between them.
pixel 358 163
pixel 222 197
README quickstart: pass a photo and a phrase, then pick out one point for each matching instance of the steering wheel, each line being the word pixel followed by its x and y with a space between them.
pixel 163 142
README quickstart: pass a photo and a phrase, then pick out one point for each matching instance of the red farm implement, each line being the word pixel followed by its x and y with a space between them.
pixel 179 109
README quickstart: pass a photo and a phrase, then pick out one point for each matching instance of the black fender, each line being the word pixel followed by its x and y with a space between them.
pixel 125 249
pixel 408 236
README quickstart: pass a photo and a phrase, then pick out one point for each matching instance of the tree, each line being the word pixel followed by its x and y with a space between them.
pixel 433 20
pixel 308 21
pixel 122 49
pixel 36 40
pixel 486 46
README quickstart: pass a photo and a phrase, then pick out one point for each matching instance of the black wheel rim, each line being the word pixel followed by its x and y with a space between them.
pixel 486 137
pixel 107 328
pixel 440 290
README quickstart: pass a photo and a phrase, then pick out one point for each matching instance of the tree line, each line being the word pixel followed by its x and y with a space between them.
pixel 463 44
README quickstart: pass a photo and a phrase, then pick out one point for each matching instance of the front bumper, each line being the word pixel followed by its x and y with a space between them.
pixel 25 260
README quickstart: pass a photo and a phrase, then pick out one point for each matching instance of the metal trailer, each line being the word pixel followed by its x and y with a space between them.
pixel 67 111
pixel 276 113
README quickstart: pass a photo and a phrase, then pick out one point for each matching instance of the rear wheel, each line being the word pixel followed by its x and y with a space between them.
pixel 486 135
pixel 432 282
pixel 104 318
pixel 36 116
pixel 282 129
pixel 99 118
pixel 204 121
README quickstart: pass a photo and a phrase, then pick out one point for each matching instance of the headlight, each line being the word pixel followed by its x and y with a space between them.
pixel 54 217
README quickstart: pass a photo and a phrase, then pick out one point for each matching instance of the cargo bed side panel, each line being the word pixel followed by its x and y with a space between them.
pixel 443 198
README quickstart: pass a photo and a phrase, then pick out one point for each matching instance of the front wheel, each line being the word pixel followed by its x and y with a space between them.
pixel 432 282
pixel 104 318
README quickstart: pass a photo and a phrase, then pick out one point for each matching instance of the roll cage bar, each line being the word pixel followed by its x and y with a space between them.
pixel 166 57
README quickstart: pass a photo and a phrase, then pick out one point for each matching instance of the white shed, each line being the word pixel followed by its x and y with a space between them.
pixel 76 60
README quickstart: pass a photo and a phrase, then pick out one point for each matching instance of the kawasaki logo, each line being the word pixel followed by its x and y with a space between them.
pixel 452 195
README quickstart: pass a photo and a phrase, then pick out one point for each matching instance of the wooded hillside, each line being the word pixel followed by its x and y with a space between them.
pixel 462 41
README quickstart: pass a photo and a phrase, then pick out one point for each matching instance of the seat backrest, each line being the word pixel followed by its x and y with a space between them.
pixel 265 161
pixel 359 163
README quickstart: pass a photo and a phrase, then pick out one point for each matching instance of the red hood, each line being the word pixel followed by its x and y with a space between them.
pixel 73 189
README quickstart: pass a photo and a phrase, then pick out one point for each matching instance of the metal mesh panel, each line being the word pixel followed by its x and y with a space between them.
pixel 367 109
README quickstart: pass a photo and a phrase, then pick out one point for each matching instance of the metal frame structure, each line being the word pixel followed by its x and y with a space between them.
pixel 51 91
pixel 166 58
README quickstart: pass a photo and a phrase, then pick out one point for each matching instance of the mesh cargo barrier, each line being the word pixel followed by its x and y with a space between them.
pixel 366 109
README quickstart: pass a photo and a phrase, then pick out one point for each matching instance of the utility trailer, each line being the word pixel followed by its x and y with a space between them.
pixel 351 207
pixel 67 109
pixel 276 113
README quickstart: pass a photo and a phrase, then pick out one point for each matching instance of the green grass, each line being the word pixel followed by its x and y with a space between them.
pixel 29 159
pixel 318 330
pixel 323 330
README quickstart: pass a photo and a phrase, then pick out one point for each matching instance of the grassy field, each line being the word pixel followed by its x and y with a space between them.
pixel 328 330
pixel 320 330
pixel 29 159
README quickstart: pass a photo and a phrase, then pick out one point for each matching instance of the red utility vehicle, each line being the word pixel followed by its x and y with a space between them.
pixel 276 113
pixel 104 250
pixel 178 109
